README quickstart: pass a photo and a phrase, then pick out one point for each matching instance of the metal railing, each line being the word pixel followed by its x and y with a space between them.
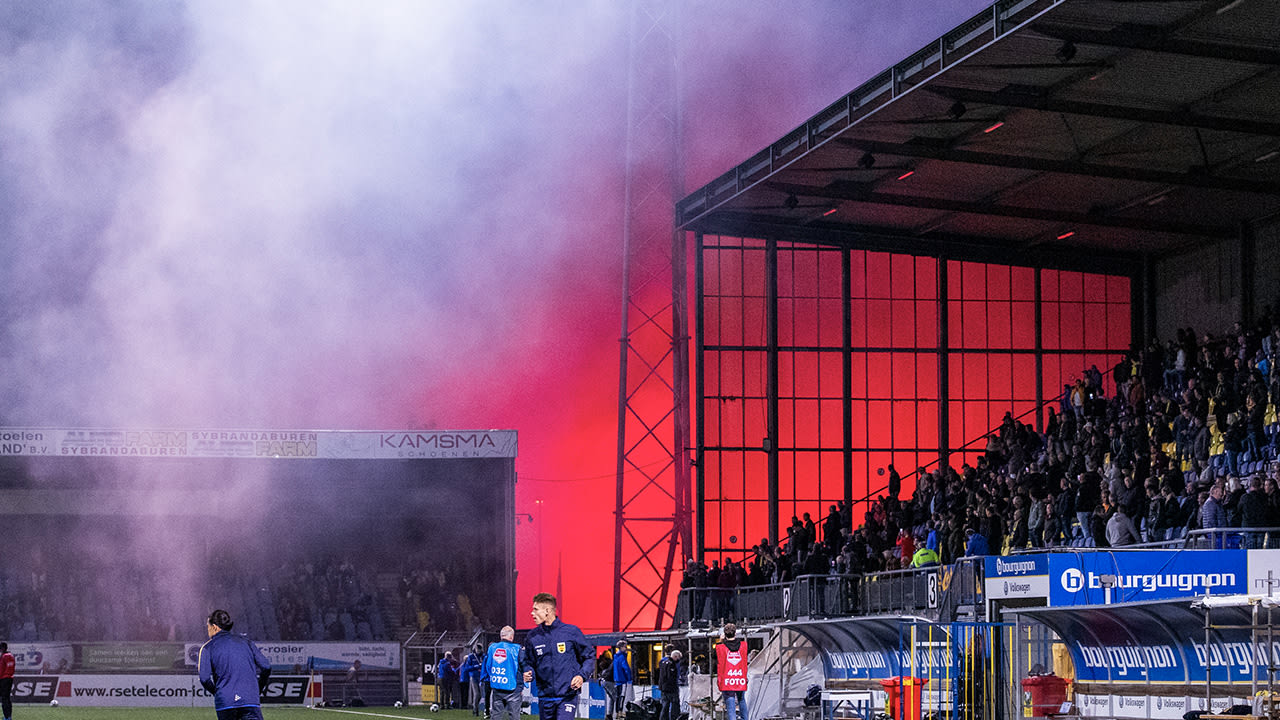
pixel 1232 538
pixel 936 592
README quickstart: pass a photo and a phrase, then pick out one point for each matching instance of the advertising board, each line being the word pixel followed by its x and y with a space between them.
pixel 1104 578
pixel 1017 576
pixel 147 690
pixel 300 657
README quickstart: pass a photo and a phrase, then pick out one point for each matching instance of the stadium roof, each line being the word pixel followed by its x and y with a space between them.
pixel 1041 130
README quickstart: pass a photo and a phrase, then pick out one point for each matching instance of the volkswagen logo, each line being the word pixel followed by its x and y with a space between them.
pixel 1072 580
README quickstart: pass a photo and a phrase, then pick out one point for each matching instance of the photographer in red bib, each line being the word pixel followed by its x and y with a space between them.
pixel 731 673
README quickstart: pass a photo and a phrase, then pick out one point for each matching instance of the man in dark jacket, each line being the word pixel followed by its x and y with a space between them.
pixel 669 684
pixel 558 655
pixel 447 679
pixel 233 669
pixel 1255 512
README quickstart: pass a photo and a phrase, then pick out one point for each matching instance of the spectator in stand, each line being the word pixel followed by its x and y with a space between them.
pixel 1052 532
pixel 1120 529
pixel 976 543
pixel 906 548
pixel 1255 512
pixel 924 557
pixel 1272 494
pixel 1098 524
pixel 1213 515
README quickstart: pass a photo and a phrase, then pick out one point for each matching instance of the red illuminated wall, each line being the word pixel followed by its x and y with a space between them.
pixel 928 339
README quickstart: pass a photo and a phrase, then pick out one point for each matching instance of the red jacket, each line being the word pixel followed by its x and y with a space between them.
pixel 731 665
pixel 7 665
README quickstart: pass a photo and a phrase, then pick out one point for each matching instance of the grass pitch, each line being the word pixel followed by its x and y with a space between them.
pixel 270 712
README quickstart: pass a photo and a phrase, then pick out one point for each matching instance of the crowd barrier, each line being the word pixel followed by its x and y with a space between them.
pixel 164 673
pixel 936 591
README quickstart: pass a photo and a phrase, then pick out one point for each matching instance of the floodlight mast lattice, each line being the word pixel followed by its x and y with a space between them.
pixel 654 493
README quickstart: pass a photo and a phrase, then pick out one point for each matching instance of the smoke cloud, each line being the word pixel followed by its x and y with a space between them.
pixel 340 215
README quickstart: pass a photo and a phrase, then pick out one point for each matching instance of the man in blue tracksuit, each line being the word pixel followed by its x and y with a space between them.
pixel 622 680
pixel 502 672
pixel 469 677
pixel 557 654
pixel 233 669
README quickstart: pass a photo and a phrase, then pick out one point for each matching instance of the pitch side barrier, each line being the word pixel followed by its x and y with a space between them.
pixel 1152 659
pixel 164 673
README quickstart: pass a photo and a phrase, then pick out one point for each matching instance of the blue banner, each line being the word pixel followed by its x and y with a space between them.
pixel 998 566
pixel 1105 578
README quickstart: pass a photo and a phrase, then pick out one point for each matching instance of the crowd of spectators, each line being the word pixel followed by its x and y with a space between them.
pixel 1178 437
pixel 60 593
pixel 434 591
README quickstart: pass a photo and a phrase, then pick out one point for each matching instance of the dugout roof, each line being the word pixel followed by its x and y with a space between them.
pixel 1109 129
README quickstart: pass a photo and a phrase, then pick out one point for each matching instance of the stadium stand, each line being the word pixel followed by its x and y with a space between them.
pixel 327 599
pixel 1150 439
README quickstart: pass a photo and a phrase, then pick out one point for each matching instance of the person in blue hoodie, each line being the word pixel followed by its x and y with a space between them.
pixel 233 669
pixel 558 656
pixel 447 678
pixel 469 676
pixel 622 679
pixel 976 543
pixel 502 673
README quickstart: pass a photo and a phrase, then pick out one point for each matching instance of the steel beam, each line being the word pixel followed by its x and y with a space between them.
pixel 857 192
pixel 1068 167
pixel 1152 38
pixel 1045 103
pixel 1079 258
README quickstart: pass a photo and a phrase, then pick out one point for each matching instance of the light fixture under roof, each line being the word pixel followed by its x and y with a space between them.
pixel 906 174
pixel 998 124
pixel 1269 156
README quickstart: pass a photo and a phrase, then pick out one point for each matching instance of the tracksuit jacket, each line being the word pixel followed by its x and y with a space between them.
pixel 621 668
pixel 241 670
pixel 555 653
